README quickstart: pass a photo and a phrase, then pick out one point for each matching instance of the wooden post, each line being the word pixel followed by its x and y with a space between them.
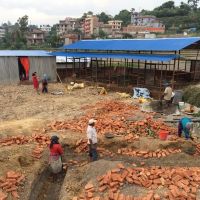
pixel 173 76
pixel 161 76
pixel 125 71
pixel 96 70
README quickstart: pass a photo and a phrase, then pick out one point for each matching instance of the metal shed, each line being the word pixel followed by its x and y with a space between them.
pixel 39 61
pixel 137 62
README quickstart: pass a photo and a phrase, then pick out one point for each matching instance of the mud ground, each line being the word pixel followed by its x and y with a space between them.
pixel 24 112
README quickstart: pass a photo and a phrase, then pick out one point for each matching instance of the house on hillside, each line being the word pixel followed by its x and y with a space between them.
pixel 35 37
pixel 144 23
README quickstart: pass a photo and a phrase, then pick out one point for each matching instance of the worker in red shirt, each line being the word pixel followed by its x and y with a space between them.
pixel 35 82
pixel 56 153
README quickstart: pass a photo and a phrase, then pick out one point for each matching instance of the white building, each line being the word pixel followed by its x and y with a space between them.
pixel 2 32
pixel 45 28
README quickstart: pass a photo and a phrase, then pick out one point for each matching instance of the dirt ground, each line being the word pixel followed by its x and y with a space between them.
pixel 24 112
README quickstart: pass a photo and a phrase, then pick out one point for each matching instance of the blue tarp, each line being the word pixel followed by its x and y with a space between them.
pixel 160 44
pixel 148 57
pixel 24 53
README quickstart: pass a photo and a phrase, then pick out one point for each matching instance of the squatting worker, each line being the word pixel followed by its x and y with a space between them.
pixel 167 96
pixel 185 125
pixel 56 153
pixel 92 139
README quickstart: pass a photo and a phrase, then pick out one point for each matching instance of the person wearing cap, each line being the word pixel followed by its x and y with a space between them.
pixel 185 125
pixel 92 140
pixel 168 93
pixel 56 153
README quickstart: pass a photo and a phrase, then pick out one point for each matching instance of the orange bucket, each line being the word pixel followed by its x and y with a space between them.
pixel 163 134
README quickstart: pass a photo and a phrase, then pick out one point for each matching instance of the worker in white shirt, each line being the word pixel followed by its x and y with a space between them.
pixel 92 139
pixel 168 94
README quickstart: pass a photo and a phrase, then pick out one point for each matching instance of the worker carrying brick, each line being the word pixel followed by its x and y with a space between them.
pixel 92 140
pixel 56 153
pixel 185 125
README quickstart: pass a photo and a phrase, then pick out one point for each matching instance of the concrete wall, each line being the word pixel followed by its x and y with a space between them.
pixel 9 71
pixel 43 65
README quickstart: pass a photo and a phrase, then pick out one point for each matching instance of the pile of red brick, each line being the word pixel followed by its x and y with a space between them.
pixel 41 139
pixel 10 184
pixel 131 138
pixel 113 117
pixel 148 154
pixel 37 152
pixel 82 147
pixel 178 183
pixel 21 139
pixel 181 182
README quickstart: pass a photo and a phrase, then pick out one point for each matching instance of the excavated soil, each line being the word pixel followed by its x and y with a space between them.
pixel 26 112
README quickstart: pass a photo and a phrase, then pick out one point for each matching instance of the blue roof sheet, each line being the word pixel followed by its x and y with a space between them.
pixel 158 44
pixel 148 57
pixel 29 53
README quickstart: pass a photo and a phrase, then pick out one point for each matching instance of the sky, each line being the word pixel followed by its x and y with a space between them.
pixel 51 11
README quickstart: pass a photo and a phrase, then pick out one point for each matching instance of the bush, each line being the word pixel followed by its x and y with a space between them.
pixel 192 95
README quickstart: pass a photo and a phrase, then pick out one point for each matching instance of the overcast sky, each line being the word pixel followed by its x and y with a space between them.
pixel 51 11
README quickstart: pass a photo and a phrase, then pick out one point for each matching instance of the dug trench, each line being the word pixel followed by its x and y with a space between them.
pixel 44 187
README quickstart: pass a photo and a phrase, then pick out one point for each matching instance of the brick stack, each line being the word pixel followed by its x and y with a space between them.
pixel 114 117
pixel 10 184
pixel 181 183
pixel 21 139
pixel 148 154
pixel 81 146
pixel 37 152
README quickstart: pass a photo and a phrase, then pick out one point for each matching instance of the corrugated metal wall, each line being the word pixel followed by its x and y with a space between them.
pixel 43 65
pixel 9 72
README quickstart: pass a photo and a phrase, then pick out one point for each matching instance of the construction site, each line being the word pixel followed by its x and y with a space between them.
pixel 135 161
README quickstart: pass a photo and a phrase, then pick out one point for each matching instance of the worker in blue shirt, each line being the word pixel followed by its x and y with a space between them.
pixel 185 125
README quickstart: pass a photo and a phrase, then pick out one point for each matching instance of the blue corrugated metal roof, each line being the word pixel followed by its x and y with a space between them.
pixel 29 53
pixel 159 44
pixel 148 57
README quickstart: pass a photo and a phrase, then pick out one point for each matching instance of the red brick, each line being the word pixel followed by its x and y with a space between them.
pixel 156 197
pixel 102 188
pixel 89 194
pixel 3 196
pixel 12 174
pixel 89 186
pixel 121 166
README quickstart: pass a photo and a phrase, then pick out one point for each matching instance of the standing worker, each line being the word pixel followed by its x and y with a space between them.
pixel 167 96
pixel 44 84
pixel 185 125
pixel 92 140
pixel 56 153
pixel 35 82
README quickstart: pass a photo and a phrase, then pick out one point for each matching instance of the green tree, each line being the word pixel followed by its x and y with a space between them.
pixel 125 16
pixel 193 4
pixel 102 34
pixel 53 39
pixel 103 17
